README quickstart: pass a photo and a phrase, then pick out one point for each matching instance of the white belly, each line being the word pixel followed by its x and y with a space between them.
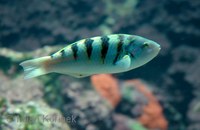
pixel 87 68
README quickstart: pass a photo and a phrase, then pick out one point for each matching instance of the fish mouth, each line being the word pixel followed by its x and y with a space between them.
pixel 157 47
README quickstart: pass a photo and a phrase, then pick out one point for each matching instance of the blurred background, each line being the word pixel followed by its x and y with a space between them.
pixel 161 95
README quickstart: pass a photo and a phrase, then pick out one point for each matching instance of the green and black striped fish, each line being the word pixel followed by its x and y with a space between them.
pixel 102 54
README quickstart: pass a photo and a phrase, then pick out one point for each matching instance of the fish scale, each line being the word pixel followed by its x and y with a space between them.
pixel 102 54
pixel 103 47
pixel 88 43
pixel 119 48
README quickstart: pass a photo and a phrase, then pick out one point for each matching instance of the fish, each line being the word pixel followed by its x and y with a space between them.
pixel 114 53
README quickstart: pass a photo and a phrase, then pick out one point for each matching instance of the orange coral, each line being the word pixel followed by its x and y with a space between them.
pixel 107 86
pixel 152 116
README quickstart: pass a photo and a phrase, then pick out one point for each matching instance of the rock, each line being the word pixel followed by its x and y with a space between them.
pixel 187 60
pixel 18 90
pixel 184 74
pixel 141 104
pixel 194 127
pixel 48 22
pixel 32 115
pixel 136 100
pixel 174 18
pixel 194 115
pixel 124 123
pixel 81 101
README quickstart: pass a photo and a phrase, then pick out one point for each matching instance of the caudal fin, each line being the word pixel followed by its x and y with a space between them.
pixel 35 67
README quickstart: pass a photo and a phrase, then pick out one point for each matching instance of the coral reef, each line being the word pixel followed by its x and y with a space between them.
pixel 17 91
pixel 80 100
pixel 152 110
pixel 125 123
pixel 145 107
pixel 173 75
pixel 130 98
pixel 145 103
pixel 22 106
pixel 186 60
pixel 178 20
pixel 30 116
pixel 108 87
pixel 50 22
pixel 194 114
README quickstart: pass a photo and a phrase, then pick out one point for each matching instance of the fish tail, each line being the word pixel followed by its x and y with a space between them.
pixel 35 67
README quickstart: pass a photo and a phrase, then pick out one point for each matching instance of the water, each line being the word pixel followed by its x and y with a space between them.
pixel 27 28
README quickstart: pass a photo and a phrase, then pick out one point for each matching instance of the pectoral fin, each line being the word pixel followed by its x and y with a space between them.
pixel 124 62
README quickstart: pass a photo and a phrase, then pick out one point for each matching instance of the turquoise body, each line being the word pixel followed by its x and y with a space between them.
pixel 102 54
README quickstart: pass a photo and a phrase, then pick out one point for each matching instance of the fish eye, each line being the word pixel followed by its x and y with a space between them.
pixel 145 45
